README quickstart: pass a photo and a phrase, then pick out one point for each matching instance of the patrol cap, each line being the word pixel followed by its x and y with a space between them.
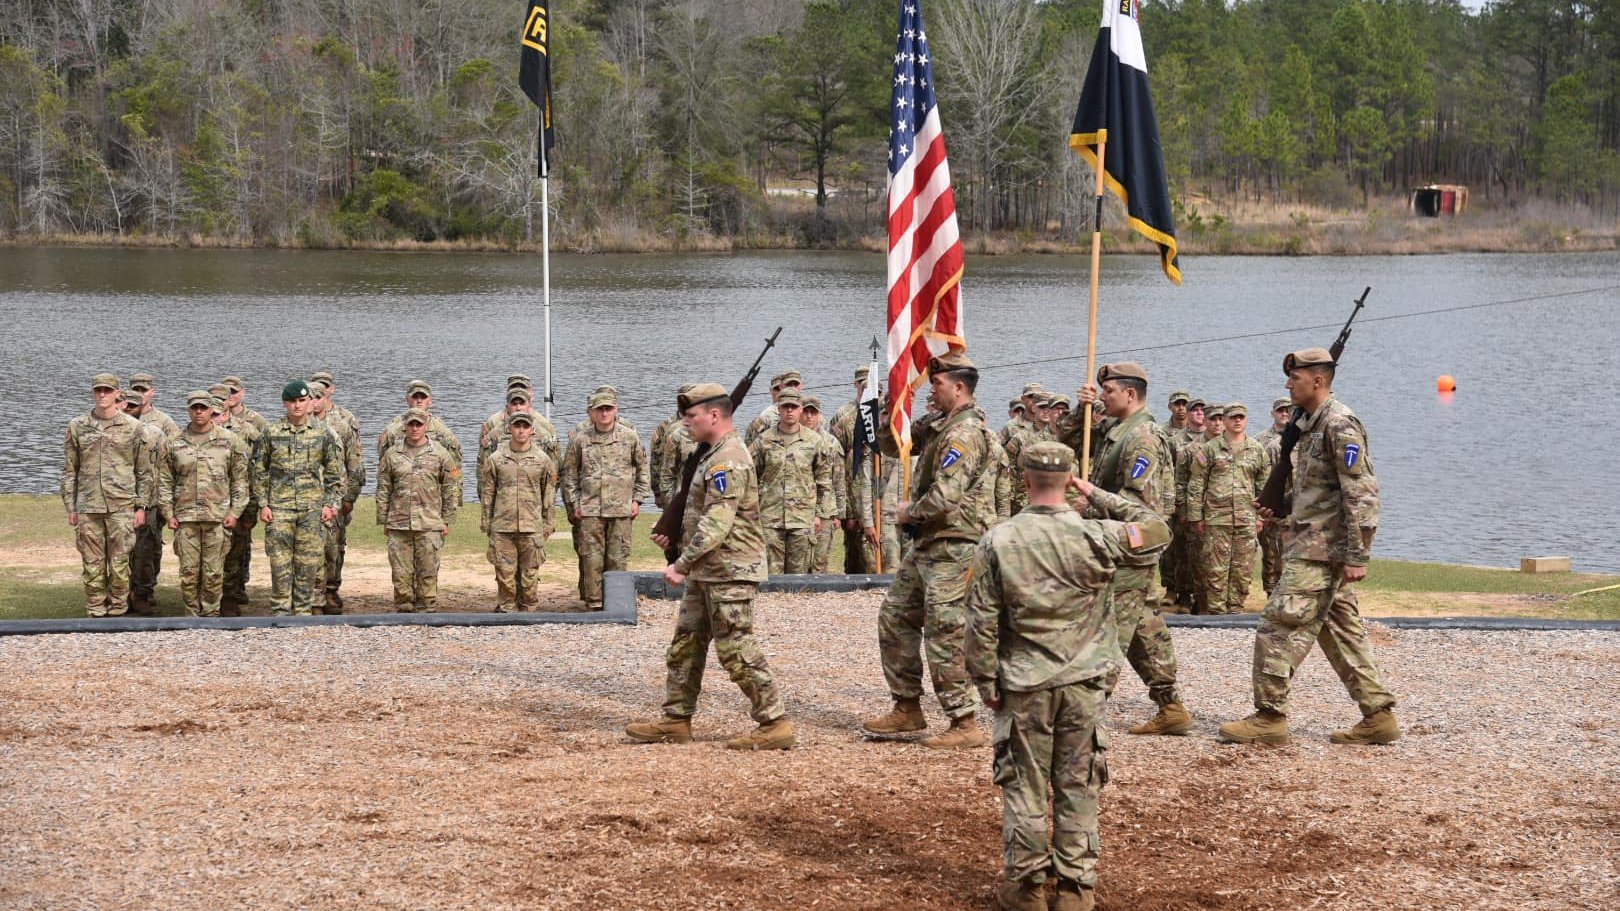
pixel 861 373
pixel 417 387
pixel 1057 401
pixel 323 376
pixel 104 381
pixel 235 382
pixel 522 417
pixel 517 394
pixel 140 381
pixel 1308 357
pixel 218 401
pixel 295 390
pixel 1180 395
pixel 1237 409
pixel 950 362
pixel 604 399
pixel 790 397
pixel 1047 455
pixel 131 397
pixel 199 397
pixel 1215 411
pixel 1282 403
pixel 701 393
pixel 1015 405
pixel 605 387
pixel 519 379
pixel 220 389
pixel 1196 403
pixel 785 377
pixel 519 384
pixel 1122 370
pixel 319 389
pixel 415 416
pixel 811 403
pixel 1032 389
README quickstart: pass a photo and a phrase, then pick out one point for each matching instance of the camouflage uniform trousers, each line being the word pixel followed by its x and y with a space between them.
pixel 337 545
pixel 857 552
pixel 239 557
pixel 516 557
pixel 824 542
pixel 200 547
pixel 924 612
pixel 1271 556
pixel 295 544
pixel 1051 742
pixel 1170 570
pixel 413 558
pixel 1189 557
pixel 722 612
pixel 1311 605
pixel 1146 642
pixel 104 540
pixel 1228 566
pixel 604 545
pixel 146 558
pixel 790 550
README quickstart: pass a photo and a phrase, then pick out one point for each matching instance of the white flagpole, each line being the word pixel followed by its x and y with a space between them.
pixel 545 262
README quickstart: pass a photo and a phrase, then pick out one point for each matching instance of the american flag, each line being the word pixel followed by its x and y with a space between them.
pixel 925 248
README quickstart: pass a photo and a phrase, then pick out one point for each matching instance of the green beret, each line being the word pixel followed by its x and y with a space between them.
pixel 295 390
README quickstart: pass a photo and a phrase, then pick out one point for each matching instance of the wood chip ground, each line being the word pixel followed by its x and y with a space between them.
pixel 486 769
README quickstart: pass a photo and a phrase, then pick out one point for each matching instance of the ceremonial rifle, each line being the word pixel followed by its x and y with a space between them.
pixel 1273 497
pixel 669 524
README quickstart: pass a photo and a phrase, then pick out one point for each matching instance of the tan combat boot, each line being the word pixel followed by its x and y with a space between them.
pixel 1379 727
pixel 1173 718
pixel 963 734
pixel 664 730
pixel 1021 895
pixel 905 717
pixel 1071 896
pixel 777 735
pixel 1261 727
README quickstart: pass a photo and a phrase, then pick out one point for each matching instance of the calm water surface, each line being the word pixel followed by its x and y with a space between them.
pixel 1519 463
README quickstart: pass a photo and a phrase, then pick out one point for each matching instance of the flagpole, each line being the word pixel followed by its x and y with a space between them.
pixel 1091 318
pixel 545 265
pixel 877 505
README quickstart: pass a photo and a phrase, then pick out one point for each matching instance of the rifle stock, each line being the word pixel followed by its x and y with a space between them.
pixel 669 524
pixel 1273 496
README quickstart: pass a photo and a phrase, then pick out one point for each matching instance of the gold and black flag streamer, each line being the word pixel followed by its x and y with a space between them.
pixel 534 72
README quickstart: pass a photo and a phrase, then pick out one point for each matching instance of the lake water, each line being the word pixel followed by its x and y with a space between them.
pixel 1520 462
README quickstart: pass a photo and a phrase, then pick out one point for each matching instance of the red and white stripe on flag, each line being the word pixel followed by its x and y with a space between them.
pixel 925 246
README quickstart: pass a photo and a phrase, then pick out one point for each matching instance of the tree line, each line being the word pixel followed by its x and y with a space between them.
pixel 327 122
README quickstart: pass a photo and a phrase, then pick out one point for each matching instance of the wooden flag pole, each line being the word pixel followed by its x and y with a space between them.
pixel 1091 319
pixel 877 505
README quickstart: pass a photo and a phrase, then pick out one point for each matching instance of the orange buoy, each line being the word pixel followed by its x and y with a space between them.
pixel 1446 383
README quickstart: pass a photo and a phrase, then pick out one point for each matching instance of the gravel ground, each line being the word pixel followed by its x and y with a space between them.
pixel 485 768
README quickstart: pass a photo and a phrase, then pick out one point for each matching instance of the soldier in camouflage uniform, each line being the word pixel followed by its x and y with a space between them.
pixel 203 486
pixel 250 426
pixel 519 481
pixel 795 486
pixel 604 480
pixel 953 500
pixel 1044 653
pixel 418 394
pixel 418 492
pixel 721 563
pixel 831 514
pixel 497 428
pixel 146 560
pixel 1226 477
pixel 1176 434
pixel 108 478
pixel 664 455
pixel 844 425
pixel 787 379
pixel 1327 542
pixel 324 414
pixel 1134 461
pixel 298 480
pixel 1016 436
pixel 1271 531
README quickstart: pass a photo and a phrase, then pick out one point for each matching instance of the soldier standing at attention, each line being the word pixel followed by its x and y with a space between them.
pixel 146 557
pixel 924 611
pixel 831 514
pixel 203 486
pixel 1186 542
pixel 238 407
pixel 664 469
pixel 519 481
pixel 418 491
pixel 1326 545
pixel 788 379
pixel 1176 434
pixel 844 425
pixel 418 394
pixel 722 562
pixel 107 480
pixel 795 486
pixel 497 430
pixel 239 549
pixel 1271 531
pixel 604 480
pixel 298 480
pixel 354 480
pixel 341 414
pixel 1134 461
pixel 1043 651
pixel 1227 476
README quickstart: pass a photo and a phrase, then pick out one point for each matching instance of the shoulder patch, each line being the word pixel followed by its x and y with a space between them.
pixel 1202 457
pixel 951 457
pixel 1133 535
pixel 1140 466
pixel 1352 456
